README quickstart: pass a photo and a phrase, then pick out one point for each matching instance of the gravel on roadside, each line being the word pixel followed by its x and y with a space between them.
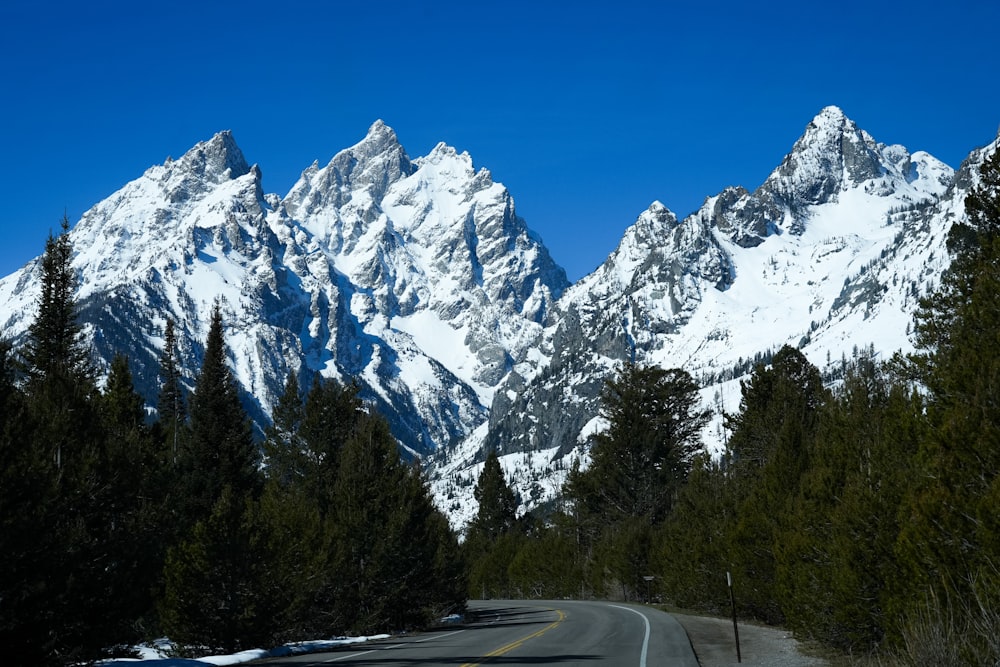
pixel 714 644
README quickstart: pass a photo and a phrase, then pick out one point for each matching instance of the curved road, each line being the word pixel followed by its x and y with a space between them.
pixel 559 632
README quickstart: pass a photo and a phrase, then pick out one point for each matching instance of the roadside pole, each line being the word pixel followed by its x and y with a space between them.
pixel 736 629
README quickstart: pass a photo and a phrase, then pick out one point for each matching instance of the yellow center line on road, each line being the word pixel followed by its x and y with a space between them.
pixel 507 648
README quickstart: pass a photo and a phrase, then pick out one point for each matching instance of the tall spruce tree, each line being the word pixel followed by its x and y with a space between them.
pixel 367 494
pixel 836 565
pixel 55 345
pixel 768 453
pixel 216 576
pixel 220 450
pixel 645 454
pixel 124 504
pixel 638 465
pixel 951 529
pixel 492 540
pixel 171 407
pixel 331 415
pixel 217 592
pixel 59 610
pixel 692 553
pixel 497 503
pixel 284 455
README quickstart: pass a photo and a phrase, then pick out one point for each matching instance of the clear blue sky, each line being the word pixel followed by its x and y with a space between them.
pixel 586 111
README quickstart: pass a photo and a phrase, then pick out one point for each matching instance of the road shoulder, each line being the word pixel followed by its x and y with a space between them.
pixel 714 645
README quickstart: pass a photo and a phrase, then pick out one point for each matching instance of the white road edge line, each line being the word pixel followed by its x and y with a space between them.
pixel 387 648
pixel 645 640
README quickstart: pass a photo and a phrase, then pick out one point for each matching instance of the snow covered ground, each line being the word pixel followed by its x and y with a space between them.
pixel 158 654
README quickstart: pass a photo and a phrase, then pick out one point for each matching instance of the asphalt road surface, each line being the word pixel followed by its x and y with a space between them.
pixel 558 632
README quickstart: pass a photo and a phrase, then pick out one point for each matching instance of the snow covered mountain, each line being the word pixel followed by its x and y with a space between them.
pixel 830 254
pixel 416 278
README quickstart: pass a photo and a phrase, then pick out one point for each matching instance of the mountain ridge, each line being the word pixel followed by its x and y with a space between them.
pixel 417 278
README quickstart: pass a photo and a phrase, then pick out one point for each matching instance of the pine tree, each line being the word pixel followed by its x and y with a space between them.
pixel 497 503
pixel 57 610
pixel 424 575
pixel 285 458
pixel 643 457
pixel 220 451
pixel 366 492
pixel 28 492
pixel 217 593
pixel 645 454
pixel 125 520
pixel 215 578
pixel 330 417
pixel 170 405
pixel 835 556
pixel 638 465
pixel 951 530
pixel 55 346
pixel 768 454
pixel 491 540
pixel 692 553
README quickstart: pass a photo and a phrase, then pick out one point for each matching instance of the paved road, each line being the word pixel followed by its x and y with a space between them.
pixel 519 632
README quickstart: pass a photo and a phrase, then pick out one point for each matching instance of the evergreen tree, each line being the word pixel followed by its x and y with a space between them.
pixel 297 554
pixel 126 521
pixel 692 553
pixel 55 346
pixel 497 503
pixel 170 405
pixel 638 465
pixel 951 530
pixel 215 578
pixel 548 565
pixel 220 451
pixel 331 414
pixel 57 608
pixel 424 578
pixel 491 543
pixel 835 558
pixel 285 460
pixel 366 492
pixel 641 459
pixel 218 594
pixel 28 491
pixel 768 454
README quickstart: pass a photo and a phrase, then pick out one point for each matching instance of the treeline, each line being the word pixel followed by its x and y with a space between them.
pixel 865 515
pixel 115 530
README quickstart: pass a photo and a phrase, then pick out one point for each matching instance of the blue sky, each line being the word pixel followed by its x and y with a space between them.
pixel 586 111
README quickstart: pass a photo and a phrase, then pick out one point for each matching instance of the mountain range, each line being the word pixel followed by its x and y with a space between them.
pixel 417 279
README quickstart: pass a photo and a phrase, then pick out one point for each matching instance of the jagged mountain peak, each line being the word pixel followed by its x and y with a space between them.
pixel 830 117
pixel 831 155
pixel 151 219
pixel 363 171
pixel 380 139
pixel 215 160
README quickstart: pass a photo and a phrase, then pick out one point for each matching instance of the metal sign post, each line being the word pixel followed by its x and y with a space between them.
pixel 736 629
pixel 648 578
